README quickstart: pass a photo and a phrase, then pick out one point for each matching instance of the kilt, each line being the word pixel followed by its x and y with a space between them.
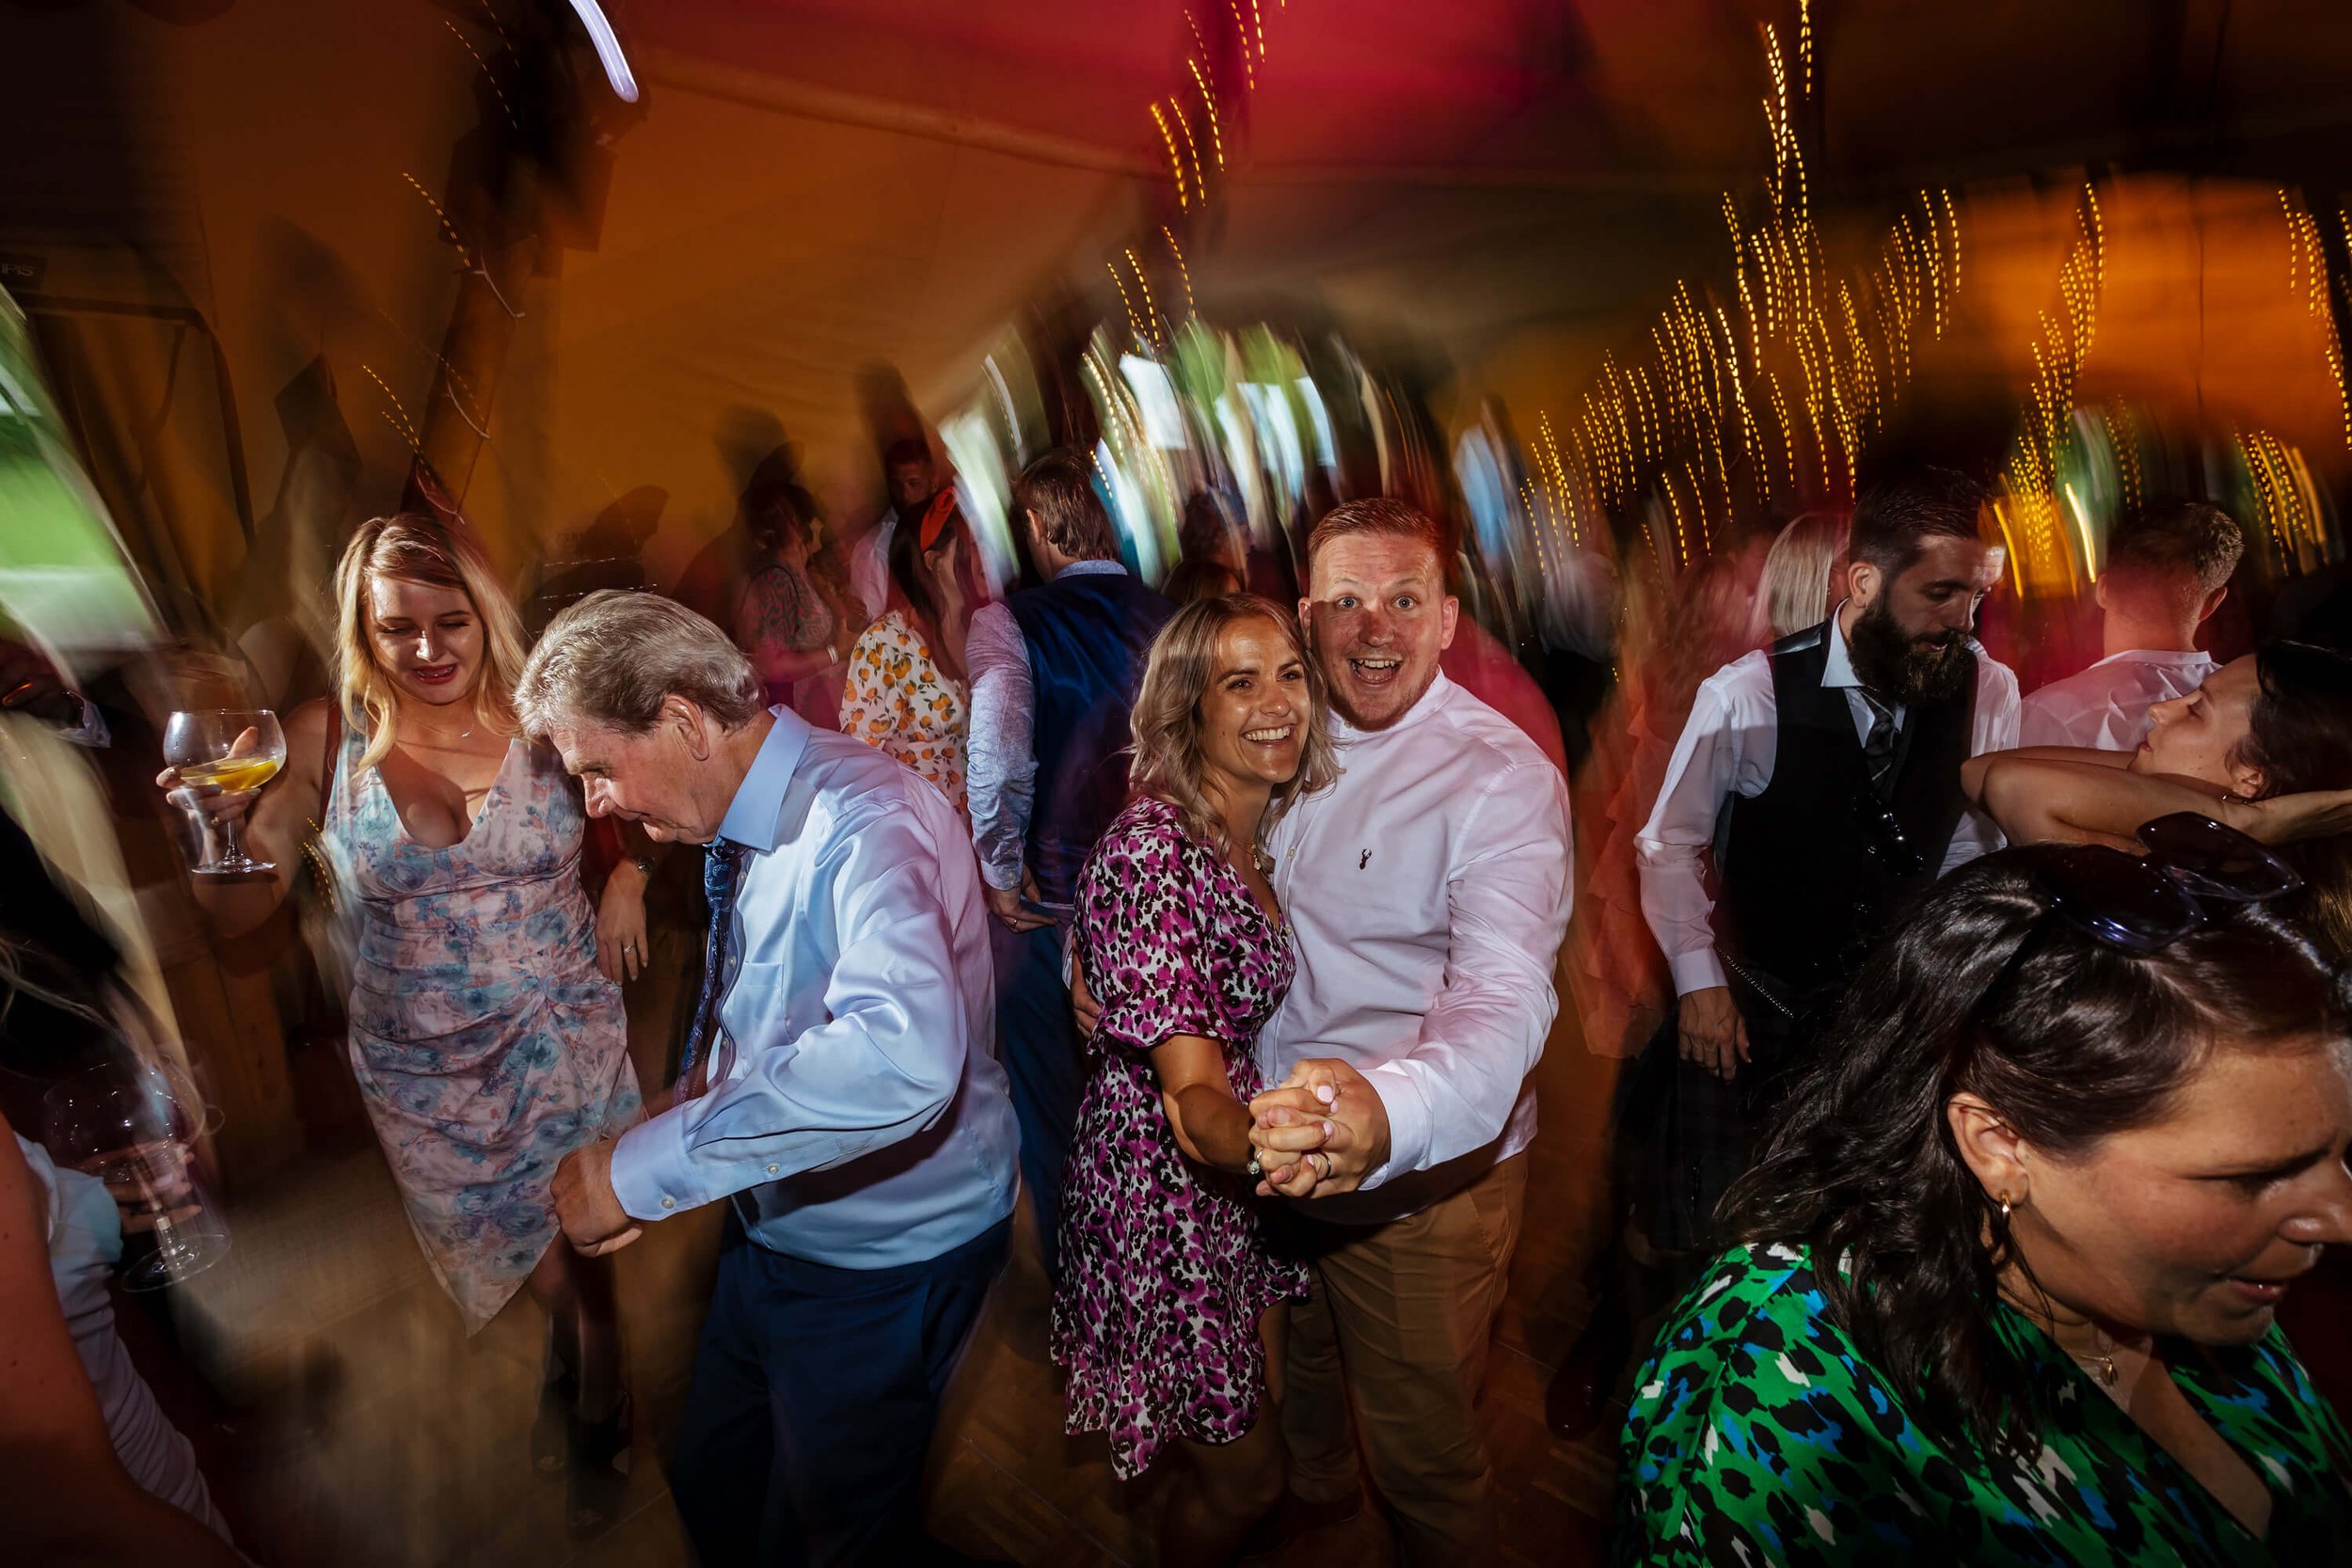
pixel 1692 1134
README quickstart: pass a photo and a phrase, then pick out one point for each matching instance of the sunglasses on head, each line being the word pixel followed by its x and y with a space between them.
pixel 2142 903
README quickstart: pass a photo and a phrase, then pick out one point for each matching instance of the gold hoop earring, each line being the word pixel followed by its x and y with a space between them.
pixel 2002 1198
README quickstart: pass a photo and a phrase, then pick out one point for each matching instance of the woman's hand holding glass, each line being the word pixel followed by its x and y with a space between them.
pixel 218 760
pixel 134 1125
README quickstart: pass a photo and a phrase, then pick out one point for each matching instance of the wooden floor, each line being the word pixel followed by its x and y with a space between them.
pixel 368 1429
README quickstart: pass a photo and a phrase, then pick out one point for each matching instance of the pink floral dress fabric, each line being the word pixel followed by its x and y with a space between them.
pixel 1165 1266
pixel 486 1045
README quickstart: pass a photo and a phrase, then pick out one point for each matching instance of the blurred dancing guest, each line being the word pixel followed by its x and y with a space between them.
pixel 1616 977
pixel 2265 744
pixel 1712 618
pixel 2002 1293
pixel 1805 573
pixel 2167 570
pixel 1427 890
pixel 96 1471
pixel 1054 671
pixel 1166 1277
pixel 907 693
pixel 1211 553
pixel 607 554
pixel 713 582
pixel 912 484
pixel 798 614
pixel 838 1087
pixel 486 1043
pixel 1825 771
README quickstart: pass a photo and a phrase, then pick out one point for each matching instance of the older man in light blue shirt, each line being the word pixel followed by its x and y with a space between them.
pixel 846 1099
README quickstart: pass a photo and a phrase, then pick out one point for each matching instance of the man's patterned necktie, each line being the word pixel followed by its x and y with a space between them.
pixel 1877 750
pixel 720 863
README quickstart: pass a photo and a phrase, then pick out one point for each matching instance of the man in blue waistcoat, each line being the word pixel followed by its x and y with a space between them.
pixel 1054 671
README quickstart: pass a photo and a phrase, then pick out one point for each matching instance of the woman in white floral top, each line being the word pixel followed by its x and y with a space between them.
pixel 907 687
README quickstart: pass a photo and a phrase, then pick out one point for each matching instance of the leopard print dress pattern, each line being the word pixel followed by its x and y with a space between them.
pixel 1165 1267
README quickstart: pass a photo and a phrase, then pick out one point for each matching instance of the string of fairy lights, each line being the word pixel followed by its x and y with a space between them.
pixel 1774 389
pixel 2285 498
pixel 1191 126
pixel 2307 274
pixel 2278 489
pixel 1773 392
pixel 1762 394
pixel 2032 518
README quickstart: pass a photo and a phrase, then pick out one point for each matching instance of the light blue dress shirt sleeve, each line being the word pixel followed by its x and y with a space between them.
pixel 883 1066
pixel 1000 781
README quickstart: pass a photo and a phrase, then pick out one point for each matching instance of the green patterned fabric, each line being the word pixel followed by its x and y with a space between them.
pixel 1759 1436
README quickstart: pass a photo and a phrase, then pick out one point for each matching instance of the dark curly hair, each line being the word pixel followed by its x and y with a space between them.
pixel 2081 1042
pixel 2301 731
pixel 2300 734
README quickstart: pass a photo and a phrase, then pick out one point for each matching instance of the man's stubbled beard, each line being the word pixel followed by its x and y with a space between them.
pixel 1892 664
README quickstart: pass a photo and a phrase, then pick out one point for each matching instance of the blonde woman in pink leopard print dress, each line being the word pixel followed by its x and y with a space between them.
pixel 1168 1288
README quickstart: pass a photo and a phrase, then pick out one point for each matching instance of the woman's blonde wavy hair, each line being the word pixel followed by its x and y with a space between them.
pixel 411 546
pixel 1166 720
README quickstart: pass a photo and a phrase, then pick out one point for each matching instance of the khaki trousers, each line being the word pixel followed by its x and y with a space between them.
pixel 1395 1334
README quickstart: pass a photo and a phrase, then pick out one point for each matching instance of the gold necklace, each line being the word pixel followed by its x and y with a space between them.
pixel 2104 1366
pixel 2098 1366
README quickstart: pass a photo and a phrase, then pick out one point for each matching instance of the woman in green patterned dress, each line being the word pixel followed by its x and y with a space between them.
pixel 2011 1264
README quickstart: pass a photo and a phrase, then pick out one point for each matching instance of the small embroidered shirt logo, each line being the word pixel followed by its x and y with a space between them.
pixel 1363 860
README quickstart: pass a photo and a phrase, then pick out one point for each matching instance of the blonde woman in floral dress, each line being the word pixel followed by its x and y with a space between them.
pixel 907 688
pixel 487 1037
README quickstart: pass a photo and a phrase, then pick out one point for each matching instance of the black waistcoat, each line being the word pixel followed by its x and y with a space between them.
pixel 1802 895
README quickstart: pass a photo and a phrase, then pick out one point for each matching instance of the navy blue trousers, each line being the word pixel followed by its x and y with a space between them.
pixel 813 1396
pixel 1044 1058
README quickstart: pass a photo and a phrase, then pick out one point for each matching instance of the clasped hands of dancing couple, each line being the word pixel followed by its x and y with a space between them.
pixel 1320 1132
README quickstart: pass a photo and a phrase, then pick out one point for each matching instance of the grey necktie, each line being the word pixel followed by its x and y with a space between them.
pixel 1878 748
